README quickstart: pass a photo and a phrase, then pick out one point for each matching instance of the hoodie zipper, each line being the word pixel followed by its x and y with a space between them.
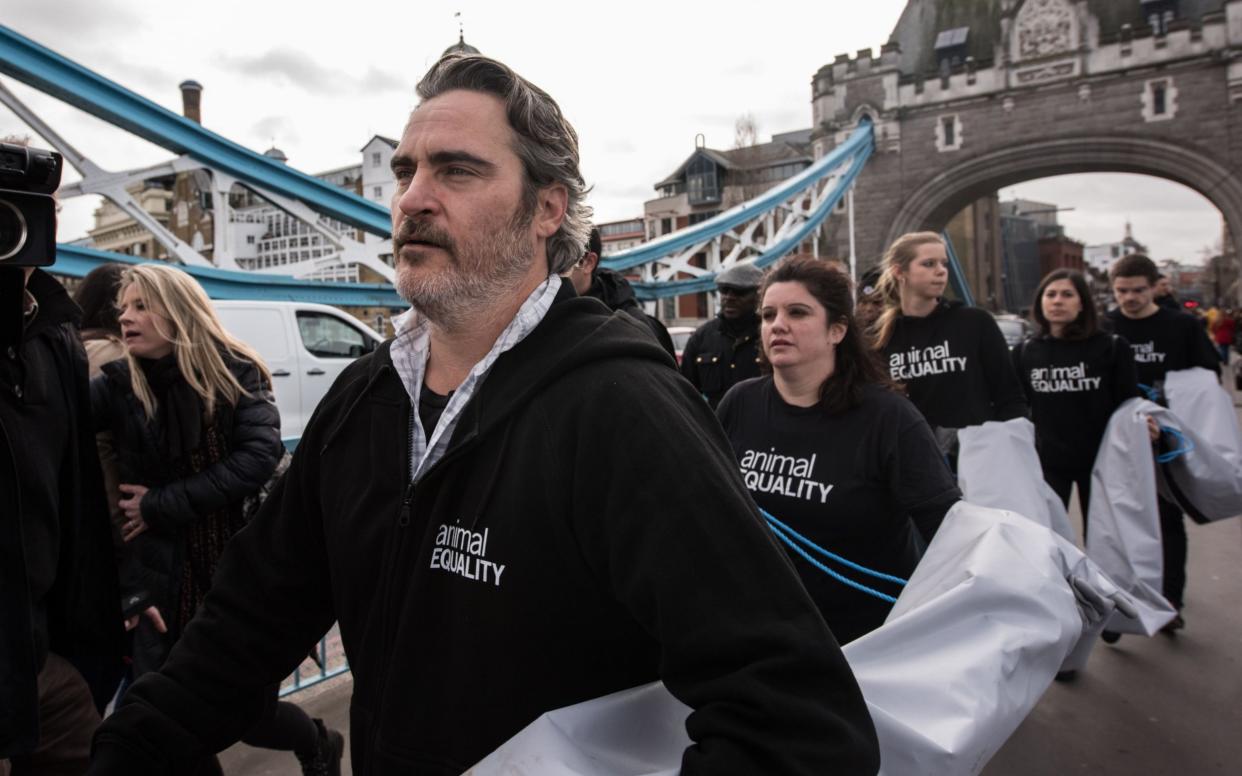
pixel 390 581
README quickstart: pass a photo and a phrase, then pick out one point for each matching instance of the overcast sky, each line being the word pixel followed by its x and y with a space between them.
pixel 638 80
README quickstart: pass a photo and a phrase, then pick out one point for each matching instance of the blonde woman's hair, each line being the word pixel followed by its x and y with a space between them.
pixel 897 258
pixel 198 338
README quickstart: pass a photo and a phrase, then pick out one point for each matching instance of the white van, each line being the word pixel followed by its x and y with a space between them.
pixel 305 345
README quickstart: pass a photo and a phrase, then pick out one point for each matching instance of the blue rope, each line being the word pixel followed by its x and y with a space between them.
pixel 843 580
pixel 1184 445
pixel 830 555
pixel 1152 393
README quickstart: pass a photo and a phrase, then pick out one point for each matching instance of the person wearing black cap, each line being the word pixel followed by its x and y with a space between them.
pixel 869 302
pixel 725 350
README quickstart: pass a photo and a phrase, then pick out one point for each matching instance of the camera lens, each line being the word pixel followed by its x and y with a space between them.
pixel 12 230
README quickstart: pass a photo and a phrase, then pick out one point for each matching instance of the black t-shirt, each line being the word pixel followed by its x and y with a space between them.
pixel 1073 387
pixel 1164 342
pixel 850 482
pixel 430 407
pixel 955 366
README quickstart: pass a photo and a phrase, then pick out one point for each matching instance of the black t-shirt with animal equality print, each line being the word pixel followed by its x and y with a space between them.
pixel 956 366
pixel 855 483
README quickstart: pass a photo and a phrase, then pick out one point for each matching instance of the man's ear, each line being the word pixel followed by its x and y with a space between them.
pixel 590 260
pixel 553 201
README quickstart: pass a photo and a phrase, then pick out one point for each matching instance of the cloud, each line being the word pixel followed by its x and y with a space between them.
pixel 276 130
pixel 99 17
pixel 302 70
pixel 619 146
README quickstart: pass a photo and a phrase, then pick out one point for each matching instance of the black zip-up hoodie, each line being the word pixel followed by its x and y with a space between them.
pixel 956 367
pixel 586 531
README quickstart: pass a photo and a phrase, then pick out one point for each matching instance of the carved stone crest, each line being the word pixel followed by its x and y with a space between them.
pixel 1044 28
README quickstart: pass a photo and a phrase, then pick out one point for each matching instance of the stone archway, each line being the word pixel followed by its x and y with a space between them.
pixel 934 203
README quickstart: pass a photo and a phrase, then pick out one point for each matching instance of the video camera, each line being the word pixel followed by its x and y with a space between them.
pixel 28 178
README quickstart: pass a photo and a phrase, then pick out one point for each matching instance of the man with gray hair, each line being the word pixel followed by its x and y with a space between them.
pixel 492 544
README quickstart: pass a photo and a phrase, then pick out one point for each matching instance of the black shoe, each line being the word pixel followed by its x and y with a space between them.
pixel 326 760
pixel 1066 676
pixel 1174 625
pixel 1110 637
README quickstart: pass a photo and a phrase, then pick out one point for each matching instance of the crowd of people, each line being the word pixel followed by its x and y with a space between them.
pixel 496 505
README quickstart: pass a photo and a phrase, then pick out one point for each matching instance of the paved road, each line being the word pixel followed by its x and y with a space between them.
pixel 1164 705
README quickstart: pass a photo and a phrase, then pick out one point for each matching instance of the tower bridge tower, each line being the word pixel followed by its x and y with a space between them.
pixel 971 96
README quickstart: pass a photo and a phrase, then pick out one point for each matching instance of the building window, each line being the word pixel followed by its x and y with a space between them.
pixel 378 192
pixel 949 133
pixel 375 158
pixel 1159 100
pixel 702 181
pixel 250 239
pixel 666 225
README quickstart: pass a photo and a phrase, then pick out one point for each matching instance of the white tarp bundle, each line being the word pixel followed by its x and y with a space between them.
pixel 1123 525
pixel 1207 481
pixel 997 467
pixel 990 615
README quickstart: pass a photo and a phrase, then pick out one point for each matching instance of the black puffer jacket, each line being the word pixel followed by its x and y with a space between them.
pixel 615 291
pixel 251 432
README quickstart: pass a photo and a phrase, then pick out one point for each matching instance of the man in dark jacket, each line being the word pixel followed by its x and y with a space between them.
pixel 493 545
pixel 590 279
pixel 725 350
pixel 58 592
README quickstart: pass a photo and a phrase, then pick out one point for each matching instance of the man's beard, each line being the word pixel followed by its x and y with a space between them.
pixel 479 270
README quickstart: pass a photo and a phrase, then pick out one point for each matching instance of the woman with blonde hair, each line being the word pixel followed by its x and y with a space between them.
pixel 196 432
pixel 952 359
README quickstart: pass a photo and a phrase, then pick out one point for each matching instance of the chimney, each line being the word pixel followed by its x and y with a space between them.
pixel 191 101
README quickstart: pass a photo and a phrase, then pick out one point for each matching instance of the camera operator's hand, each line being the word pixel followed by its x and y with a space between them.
pixel 152 614
pixel 132 507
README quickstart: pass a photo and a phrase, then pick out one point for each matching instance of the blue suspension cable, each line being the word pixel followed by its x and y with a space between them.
pixel 1184 445
pixel 1152 393
pixel 829 555
pixel 843 580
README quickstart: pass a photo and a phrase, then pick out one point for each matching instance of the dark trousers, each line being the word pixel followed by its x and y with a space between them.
pixel 67 720
pixel 1063 481
pixel 1173 541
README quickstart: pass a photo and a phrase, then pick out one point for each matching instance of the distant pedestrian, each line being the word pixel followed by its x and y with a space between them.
pixel 869 304
pixel 1226 328
pixel 725 350
pixel 953 359
pixel 829 447
pixel 1164 294
pixel 590 279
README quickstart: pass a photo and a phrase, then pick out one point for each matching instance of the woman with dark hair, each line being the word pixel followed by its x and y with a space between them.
pixel 1074 377
pixel 952 359
pixel 828 447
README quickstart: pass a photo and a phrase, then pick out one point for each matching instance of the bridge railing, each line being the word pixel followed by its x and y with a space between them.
pixel 328 662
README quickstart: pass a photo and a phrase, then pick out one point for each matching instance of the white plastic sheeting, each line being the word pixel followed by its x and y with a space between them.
pixel 998 467
pixel 1123 534
pixel 1207 481
pixel 992 612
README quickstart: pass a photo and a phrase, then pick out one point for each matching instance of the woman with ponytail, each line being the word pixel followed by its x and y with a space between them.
pixel 195 432
pixel 829 448
pixel 952 359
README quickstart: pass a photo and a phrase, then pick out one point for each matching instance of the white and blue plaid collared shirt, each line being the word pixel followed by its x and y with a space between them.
pixel 409 357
